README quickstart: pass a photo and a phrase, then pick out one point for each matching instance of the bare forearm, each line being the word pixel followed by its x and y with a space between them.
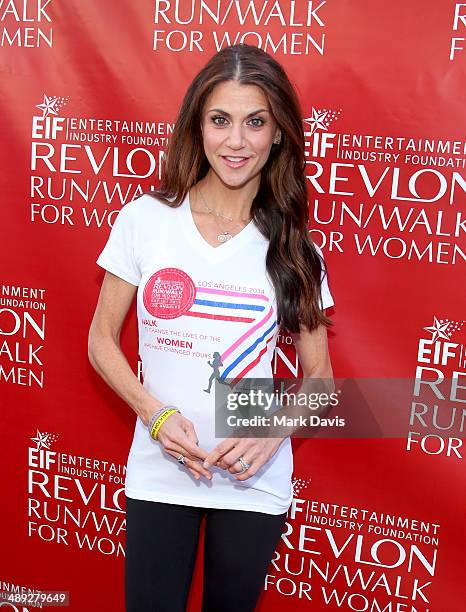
pixel 111 364
pixel 318 381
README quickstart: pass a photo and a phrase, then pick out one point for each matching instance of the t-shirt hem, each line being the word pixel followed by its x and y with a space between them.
pixel 173 499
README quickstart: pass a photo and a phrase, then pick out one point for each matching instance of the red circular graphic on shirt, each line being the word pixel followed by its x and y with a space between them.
pixel 169 293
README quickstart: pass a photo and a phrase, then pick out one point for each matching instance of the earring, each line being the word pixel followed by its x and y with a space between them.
pixel 278 141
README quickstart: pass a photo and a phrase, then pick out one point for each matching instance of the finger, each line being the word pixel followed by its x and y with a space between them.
pixel 231 458
pixel 244 475
pixel 182 444
pixel 199 468
pixel 190 462
pixel 194 473
pixel 219 451
pixel 238 470
pixel 191 447
pixel 194 466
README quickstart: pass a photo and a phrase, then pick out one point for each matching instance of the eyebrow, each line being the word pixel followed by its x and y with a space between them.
pixel 256 112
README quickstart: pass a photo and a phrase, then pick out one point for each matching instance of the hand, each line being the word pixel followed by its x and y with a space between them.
pixel 255 451
pixel 177 436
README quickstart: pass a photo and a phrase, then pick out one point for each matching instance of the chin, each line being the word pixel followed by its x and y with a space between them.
pixel 235 178
pixel 231 179
pixel 238 181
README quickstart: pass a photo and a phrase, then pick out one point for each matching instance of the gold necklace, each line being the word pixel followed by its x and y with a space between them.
pixel 225 235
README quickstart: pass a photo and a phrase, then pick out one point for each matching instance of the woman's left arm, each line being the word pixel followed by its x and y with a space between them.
pixel 313 353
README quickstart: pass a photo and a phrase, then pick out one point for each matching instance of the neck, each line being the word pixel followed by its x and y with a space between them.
pixel 234 202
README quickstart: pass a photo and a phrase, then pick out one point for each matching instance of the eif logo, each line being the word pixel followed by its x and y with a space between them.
pixel 49 126
pixel 318 140
pixel 41 456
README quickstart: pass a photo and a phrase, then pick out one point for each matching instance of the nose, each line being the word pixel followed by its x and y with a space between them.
pixel 235 137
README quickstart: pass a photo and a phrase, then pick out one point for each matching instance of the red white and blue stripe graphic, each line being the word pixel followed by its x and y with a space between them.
pixel 236 307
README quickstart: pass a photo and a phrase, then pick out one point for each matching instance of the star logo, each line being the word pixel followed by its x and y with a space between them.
pixel 42 440
pixel 320 119
pixel 317 120
pixel 438 330
pixel 48 106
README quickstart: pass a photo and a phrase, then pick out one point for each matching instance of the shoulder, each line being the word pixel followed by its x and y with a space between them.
pixel 147 203
pixel 146 209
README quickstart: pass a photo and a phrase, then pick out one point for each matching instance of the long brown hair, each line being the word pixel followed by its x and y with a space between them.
pixel 280 208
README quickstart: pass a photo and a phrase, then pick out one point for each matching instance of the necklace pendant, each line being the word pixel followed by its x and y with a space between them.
pixel 224 237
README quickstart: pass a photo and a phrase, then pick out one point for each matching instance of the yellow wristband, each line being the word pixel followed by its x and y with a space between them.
pixel 159 422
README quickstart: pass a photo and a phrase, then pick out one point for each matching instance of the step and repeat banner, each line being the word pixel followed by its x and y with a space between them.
pixel 89 94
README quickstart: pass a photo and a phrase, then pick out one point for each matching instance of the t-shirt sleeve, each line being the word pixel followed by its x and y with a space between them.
pixel 119 255
pixel 326 296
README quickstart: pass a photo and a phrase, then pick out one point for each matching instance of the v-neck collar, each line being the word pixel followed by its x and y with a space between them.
pixel 198 240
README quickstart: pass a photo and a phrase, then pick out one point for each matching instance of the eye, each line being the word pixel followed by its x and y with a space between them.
pixel 262 122
pixel 214 120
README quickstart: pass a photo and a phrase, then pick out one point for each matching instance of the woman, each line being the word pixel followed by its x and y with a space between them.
pixel 221 257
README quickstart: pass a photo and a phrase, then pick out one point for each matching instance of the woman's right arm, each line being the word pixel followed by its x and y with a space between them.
pixel 104 350
pixel 177 433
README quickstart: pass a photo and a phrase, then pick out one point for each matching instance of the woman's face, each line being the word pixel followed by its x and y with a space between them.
pixel 238 130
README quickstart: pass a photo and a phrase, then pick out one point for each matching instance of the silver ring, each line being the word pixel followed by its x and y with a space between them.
pixel 181 459
pixel 244 464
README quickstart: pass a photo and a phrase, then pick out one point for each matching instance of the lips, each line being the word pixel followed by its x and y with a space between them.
pixel 234 161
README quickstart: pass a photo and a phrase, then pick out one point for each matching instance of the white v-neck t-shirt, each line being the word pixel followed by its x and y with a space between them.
pixel 201 310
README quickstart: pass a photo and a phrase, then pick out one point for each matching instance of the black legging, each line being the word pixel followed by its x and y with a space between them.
pixel 161 546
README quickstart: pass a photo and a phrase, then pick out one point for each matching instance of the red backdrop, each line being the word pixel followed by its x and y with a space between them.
pixel 89 93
